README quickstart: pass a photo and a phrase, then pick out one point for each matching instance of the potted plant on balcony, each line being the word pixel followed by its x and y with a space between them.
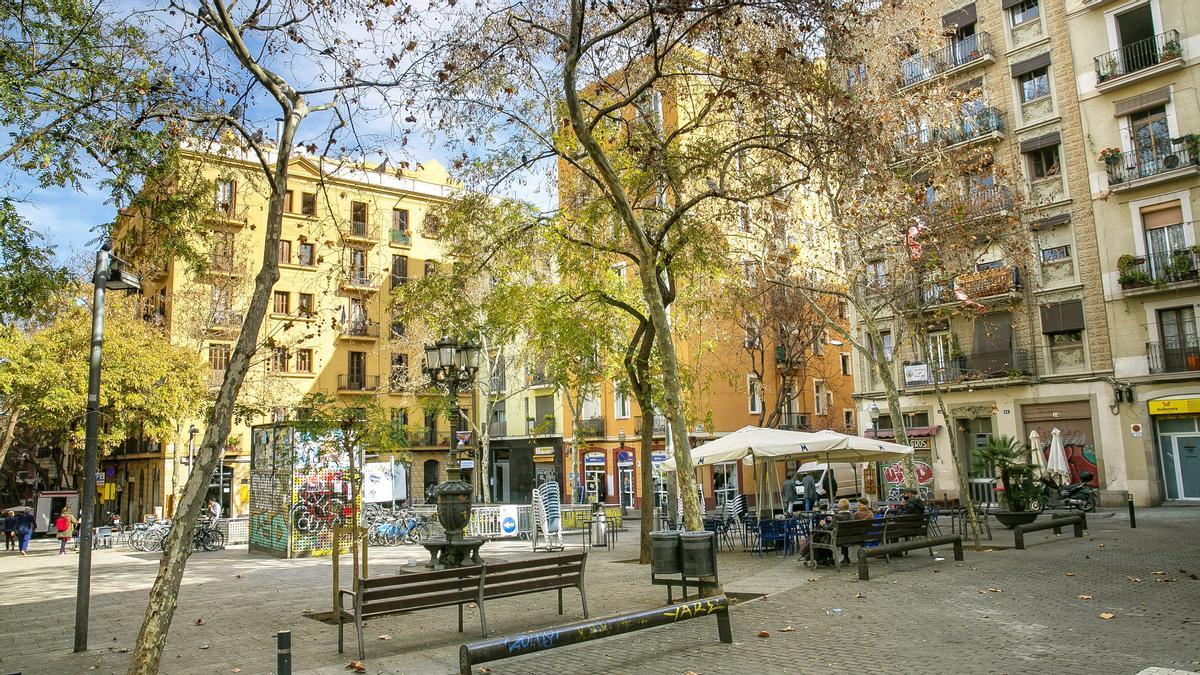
pixel 1170 50
pixel 1191 143
pixel 1130 274
pixel 1182 266
pixel 1110 155
pixel 1009 457
pixel 1108 68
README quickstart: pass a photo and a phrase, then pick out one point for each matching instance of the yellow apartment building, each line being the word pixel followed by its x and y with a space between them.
pixel 1137 74
pixel 351 233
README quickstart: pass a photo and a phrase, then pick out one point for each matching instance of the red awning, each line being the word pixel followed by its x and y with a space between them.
pixel 913 432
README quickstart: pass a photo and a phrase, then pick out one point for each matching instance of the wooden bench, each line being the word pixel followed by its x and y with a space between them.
pixel 847 533
pixel 908 545
pixel 404 593
pixel 1078 523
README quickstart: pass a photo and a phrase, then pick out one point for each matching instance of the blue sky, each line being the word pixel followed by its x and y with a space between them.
pixel 66 218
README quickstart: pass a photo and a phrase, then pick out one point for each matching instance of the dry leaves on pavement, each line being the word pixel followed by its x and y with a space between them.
pixel 1160 574
pixel 1133 578
pixel 787 629
pixel 1069 574
pixel 1084 597
pixel 1106 615
pixel 763 634
pixel 199 622
pixel 356 666
pixel 204 646
pixel 384 637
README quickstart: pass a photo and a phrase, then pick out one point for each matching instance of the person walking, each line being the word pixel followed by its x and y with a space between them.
pixel 65 525
pixel 810 491
pixel 25 523
pixel 10 531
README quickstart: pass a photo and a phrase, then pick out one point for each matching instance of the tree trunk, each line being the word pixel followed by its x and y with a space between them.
pixel 161 607
pixel 10 430
pixel 637 370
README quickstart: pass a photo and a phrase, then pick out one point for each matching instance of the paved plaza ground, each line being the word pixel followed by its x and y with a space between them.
pixel 999 611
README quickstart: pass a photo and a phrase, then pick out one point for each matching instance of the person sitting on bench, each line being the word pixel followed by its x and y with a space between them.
pixel 912 505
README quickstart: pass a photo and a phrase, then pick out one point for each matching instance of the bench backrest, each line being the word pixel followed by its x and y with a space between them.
pixel 851 532
pixel 563 570
pixel 913 525
pixel 420 590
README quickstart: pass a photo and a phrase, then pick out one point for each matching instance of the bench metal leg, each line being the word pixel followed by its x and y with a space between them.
pixel 460 617
pixel 560 611
pixel 482 618
pixel 1018 538
pixel 341 631
pixel 958 549
pixel 583 599
pixel 358 626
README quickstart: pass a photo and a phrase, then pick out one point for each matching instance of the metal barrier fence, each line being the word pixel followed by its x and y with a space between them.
pixel 237 530
pixel 493 521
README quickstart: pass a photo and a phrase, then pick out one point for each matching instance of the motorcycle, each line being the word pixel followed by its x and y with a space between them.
pixel 1080 495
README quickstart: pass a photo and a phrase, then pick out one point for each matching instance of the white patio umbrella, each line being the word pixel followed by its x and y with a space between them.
pixel 1057 466
pixel 1035 447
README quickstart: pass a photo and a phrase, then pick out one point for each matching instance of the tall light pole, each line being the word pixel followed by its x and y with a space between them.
pixel 109 275
pixel 192 431
pixel 873 411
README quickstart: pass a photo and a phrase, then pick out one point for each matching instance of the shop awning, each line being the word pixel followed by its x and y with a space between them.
pixel 913 432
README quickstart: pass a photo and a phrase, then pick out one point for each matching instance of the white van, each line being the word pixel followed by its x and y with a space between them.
pixel 847 478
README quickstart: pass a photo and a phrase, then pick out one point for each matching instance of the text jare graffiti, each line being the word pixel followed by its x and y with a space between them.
pixel 693 609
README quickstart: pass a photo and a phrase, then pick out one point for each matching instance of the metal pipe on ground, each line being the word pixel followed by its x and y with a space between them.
pixel 495 649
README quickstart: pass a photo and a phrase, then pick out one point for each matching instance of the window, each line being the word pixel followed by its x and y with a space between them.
pixel 1025 11
pixel 725 482
pixel 397 329
pixel 304 360
pixel 856 75
pixel 222 250
pixel 218 356
pixel 399 372
pixel 1151 137
pixel 358 214
pixel 988 265
pixel 1035 84
pixel 308 203
pixel 430 267
pixel 226 196
pixel 820 398
pixel 282 303
pixel 589 406
pixel 279 360
pixel 843 309
pixel 1043 162
pixel 620 402
pixel 304 255
pixel 885 339
pixel 877 274
pixel 845 363
pixel 285 252
pixel 287 201
pixel 1178 348
pixel 1056 254
pixel 400 220
pixel 399 270
pixel 754 394
pixel 847 419
pixel 753 333
pixel 306 306
pixel 820 342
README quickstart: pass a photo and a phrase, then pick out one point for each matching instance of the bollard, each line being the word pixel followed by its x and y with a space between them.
pixel 284 665
pixel 1132 515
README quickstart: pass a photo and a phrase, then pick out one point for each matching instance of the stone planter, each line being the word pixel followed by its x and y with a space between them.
pixel 1011 519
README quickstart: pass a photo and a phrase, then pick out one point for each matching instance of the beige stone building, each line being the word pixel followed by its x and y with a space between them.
pixel 1135 65
pixel 1038 357
pixel 350 235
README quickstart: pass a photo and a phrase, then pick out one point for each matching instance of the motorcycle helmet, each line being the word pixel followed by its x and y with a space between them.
pixel 1085 476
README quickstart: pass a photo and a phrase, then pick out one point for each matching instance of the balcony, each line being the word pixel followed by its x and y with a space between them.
pixel 990 283
pixel 978 203
pixel 430 438
pixel 659 423
pixel 223 264
pixel 400 237
pixel 975 50
pixel 546 425
pixel 974 368
pixel 359 330
pixel 360 280
pixel 1177 158
pixel 984 125
pixel 498 429
pixel 590 428
pixel 225 320
pixel 1152 272
pixel 361 232
pixel 358 382
pixel 233 215
pixel 1178 355
pixel 793 421
pixel 1139 60
pixel 785 359
pixel 537 377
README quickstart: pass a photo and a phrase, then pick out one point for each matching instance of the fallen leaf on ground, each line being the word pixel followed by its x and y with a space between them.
pixel 1099 545
pixel 199 622
pixel 356 666
pixel 859 595
pixel 203 646
pixel 1160 574
pixel 813 579
pixel 1133 578
pixel 123 650
pixel 485 670
pixel 471 605
pixel 787 629
pixel 1164 579
pixel 994 590
pixel 307 610
pixel 1085 597
pixel 1069 574
pixel 384 637
pixel 1106 615
pixel 691 673
pixel 236 670
pixel 763 633
pixel 237 576
pixel 936 571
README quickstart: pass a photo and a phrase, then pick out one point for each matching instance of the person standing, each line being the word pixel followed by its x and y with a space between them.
pixel 25 525
pixel 810 491
pixel 10 531
pixel 214 509
pixel 65 525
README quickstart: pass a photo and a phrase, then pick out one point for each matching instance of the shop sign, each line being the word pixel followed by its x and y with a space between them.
pixel 1177 406
pixel 625 457
pixel 658 457
pixel 919 443
pixel 543 453
pixel 593 459
pixel 466 464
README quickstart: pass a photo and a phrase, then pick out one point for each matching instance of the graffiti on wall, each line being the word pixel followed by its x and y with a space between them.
pixel 893 477
pixel 1081 454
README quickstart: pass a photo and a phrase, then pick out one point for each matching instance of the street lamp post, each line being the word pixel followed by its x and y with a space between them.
pixel 109 275
pixel 192 431
pixel 453 365
pixel 873 411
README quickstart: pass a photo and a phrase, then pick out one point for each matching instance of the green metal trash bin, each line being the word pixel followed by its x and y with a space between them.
pixel 664 552
pixel 699 553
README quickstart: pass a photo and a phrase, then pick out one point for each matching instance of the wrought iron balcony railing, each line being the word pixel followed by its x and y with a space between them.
pixel 400 237
pixel 358 382
pixel 1159 268
pixel 1163 158
pixel 962 52
pixel 1177 355
pixel 360 329
pixel 970 367
pixel 591 427
pixel 1138 55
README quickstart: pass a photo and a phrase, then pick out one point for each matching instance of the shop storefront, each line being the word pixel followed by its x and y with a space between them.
pixel 1073 419
pixel 517 467
pixel 625 477
pixel 1177 439
pixel 596 479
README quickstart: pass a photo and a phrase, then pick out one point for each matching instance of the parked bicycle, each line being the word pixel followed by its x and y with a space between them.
pixel 207 536
pixel 405 527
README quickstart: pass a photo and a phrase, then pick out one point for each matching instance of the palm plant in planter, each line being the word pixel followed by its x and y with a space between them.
pixel 1009 457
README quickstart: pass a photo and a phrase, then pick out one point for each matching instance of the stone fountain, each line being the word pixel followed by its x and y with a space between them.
pixel 453 499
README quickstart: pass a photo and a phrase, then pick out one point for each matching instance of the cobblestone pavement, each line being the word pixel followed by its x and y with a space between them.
pixel 1000 611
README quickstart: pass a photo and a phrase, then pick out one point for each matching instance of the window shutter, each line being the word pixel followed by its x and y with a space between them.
pixel 1162 215
pixel 993 343
pixel 960 17
pixel 1029 65
pixel 1047 141
pixel 1010 3
pixel 1062 317
pixel 1150 99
